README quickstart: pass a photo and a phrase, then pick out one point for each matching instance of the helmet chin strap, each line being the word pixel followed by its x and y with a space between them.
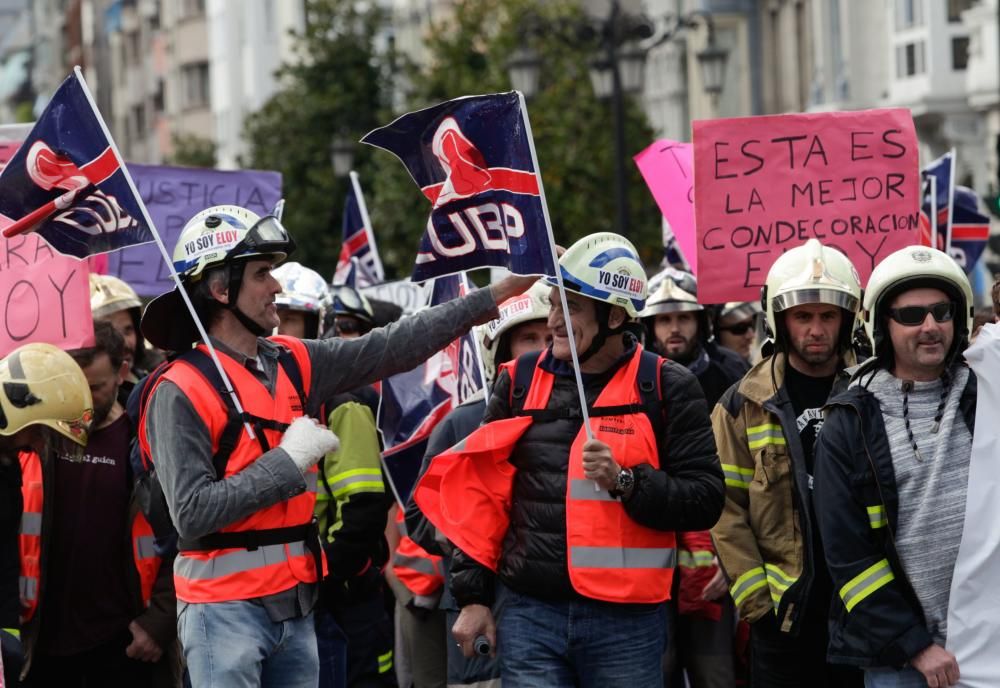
pixel 235 281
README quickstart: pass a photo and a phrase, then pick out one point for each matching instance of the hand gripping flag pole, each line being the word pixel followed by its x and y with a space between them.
pixel 166 256
pixel 559 281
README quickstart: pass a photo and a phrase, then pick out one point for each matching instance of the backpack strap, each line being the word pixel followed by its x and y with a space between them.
pixel 230 437
pixel 524 371
pixel 648 380
pixel 290 364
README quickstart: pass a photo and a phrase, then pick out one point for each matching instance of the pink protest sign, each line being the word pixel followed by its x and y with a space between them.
pixel 668 170
pixel 764 185
pixel 44 296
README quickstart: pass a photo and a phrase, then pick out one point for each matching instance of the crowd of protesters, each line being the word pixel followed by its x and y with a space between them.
pixel 751 504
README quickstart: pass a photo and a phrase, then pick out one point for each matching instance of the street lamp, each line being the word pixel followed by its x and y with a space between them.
pixel 341 154
pixel 620 43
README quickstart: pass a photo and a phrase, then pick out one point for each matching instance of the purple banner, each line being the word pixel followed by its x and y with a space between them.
pixel 173 195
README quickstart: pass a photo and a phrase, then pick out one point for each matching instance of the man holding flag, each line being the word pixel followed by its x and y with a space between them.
pixel 560 525
pixel 249 561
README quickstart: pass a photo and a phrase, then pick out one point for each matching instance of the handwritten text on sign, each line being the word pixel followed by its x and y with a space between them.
pixel 44 296
pixel 764 185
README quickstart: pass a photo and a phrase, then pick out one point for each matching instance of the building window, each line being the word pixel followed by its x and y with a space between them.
pixel 959 53
pixel 191 8
pixel 194 85
pixel 955 9
pixel 910 60
pixel 909 13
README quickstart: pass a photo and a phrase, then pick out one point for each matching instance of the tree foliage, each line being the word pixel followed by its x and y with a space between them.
pixel 334 86
pixel 342 82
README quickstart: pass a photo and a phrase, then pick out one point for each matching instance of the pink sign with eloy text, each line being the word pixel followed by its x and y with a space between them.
pixel 668 169
pixel 764 185
pixel 44 296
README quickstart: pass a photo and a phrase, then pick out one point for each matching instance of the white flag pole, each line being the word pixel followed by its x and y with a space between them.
pixel 163 251
pixel 363 207
pixel 932 180
pixel 559 279
pixel 951 203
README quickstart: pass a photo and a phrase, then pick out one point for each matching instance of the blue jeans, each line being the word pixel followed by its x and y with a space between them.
pixel 236 645
pixel 891 678
pixel 583 643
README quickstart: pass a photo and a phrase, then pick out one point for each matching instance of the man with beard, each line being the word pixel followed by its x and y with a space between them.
pixel 765 429
pixel 892 474
pixel 104 612
pixel 677 327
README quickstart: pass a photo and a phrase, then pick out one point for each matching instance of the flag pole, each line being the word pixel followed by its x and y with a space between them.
pixel 932 180
pixel 163 251
pixel 559 280
pixel 951 203
pixel 363 208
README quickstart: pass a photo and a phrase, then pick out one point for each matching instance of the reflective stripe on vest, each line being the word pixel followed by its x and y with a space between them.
pixel 415 567
pixel 737 476
pixel 385 662
pixel 30 537
pixel 610 556
pixel 355 480
pixel 240 574
pixel 762 435
pixel 147 563
pixel 752 580
pixel 865 583
pixel 876 517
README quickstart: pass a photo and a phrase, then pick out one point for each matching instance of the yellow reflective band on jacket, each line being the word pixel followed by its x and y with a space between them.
pixel 695 559
pixel 385 663
pixel 16 632
pixel 778 581
pixel 876 517
pixel 356 480
pixel 737 476
pixel 752 580
pixel 865 583
pixel 761 435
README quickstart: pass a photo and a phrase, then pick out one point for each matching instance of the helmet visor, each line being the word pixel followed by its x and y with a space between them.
pixel 801 297
pixel 267 235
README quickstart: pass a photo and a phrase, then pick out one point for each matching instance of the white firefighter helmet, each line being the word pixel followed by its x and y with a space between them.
pixel 605 267
pixel 527 307
pixel 911 268
pixel 811 273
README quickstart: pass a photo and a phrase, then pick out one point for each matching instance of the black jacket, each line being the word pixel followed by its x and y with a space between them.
pixel 724 369
pixel 686 493
pixel 854 472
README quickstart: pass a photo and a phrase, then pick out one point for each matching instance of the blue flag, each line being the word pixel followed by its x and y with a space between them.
pixel 414 402
pixel 970 229
pixel 359 264
pixel 67 182
pixel 473 158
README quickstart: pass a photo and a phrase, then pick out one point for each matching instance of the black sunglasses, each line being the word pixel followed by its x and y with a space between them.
pixel 738 329
pixel 911 316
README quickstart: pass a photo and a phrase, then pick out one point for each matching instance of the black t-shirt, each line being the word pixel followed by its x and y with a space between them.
pixel 808 395
pixel 86 600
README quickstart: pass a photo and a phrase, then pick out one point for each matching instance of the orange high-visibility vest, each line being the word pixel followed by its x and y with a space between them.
pixel 147 563
pixel 415 567
pixel 236 573
pixel 466 493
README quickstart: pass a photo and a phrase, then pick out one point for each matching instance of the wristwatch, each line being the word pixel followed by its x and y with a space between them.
pixel 623 483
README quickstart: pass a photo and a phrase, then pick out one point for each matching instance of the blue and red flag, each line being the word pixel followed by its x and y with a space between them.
pixel 415 401
pixel 473 158
pixel 358 252
pixel 68 183
pixel 969 229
